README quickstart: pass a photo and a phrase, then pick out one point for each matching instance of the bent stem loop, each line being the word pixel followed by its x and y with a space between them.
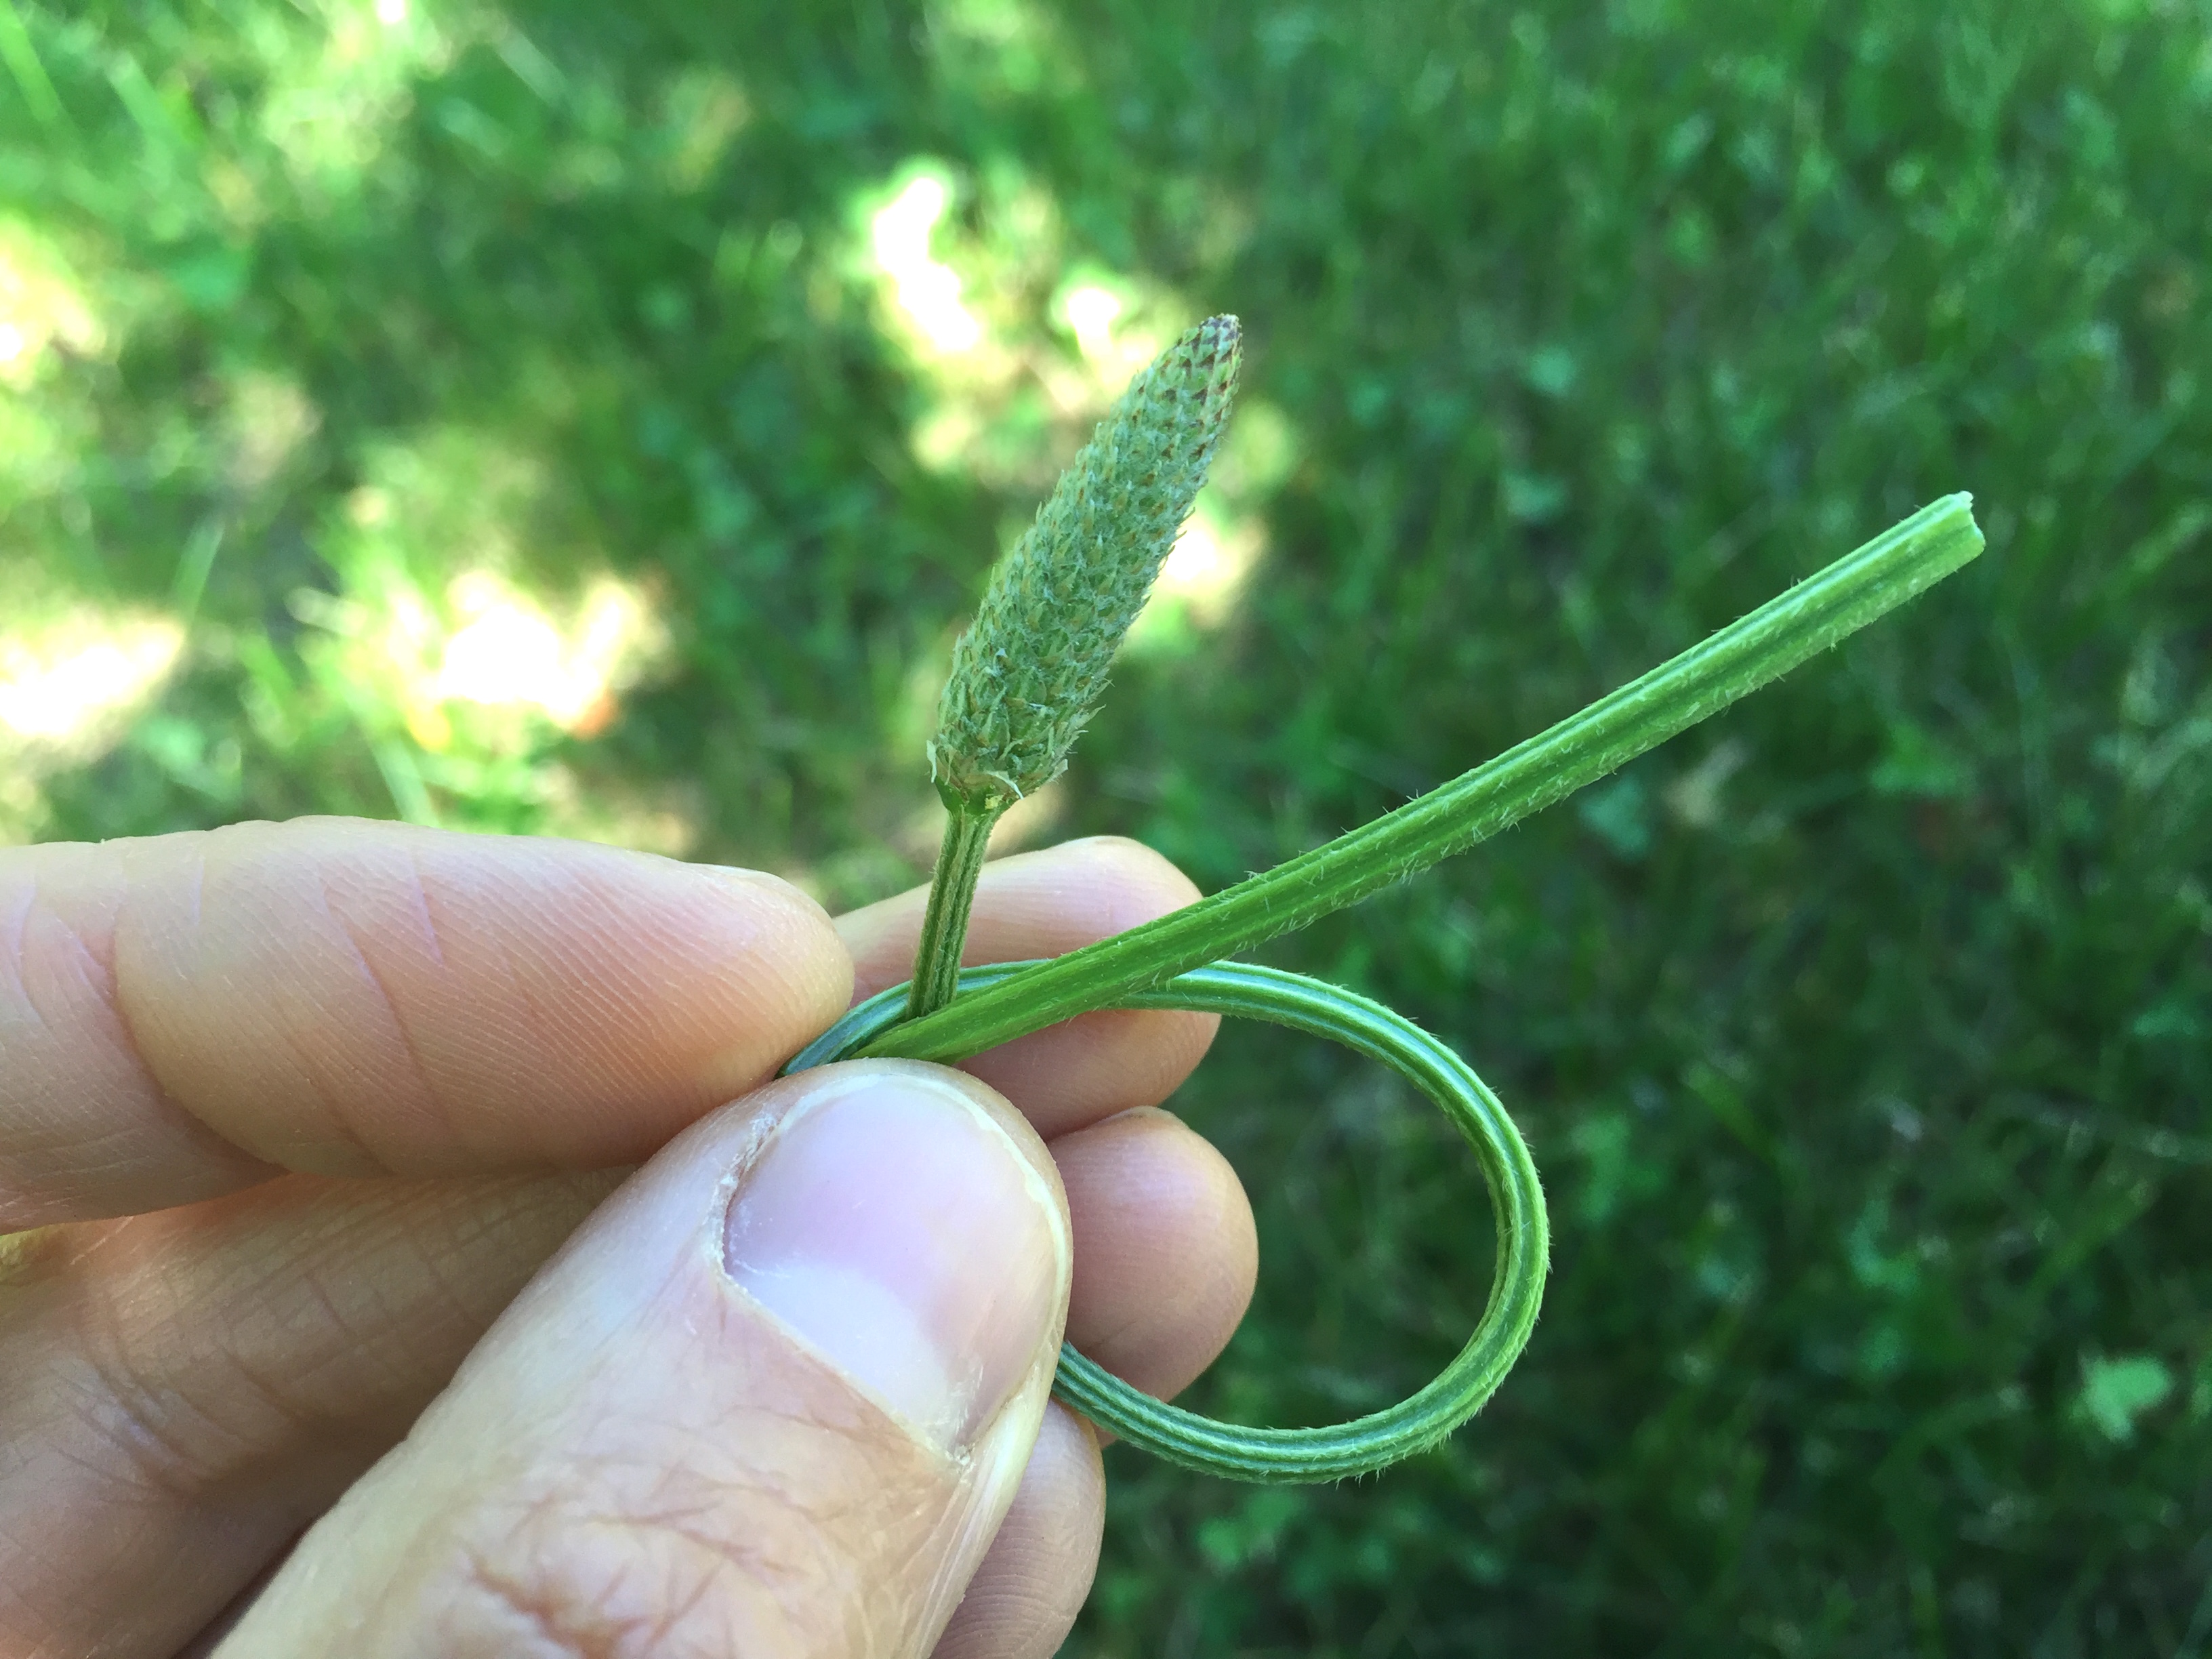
pixel 1516 1203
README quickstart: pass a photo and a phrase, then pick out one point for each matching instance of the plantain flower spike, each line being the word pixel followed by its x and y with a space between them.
pixel 1028 674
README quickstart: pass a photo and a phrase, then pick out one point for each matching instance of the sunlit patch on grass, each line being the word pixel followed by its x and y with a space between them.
pixel 461 688
pixel 44 311
pixel 474 666
pixel 1011 43
pixel 1116 333
pixel 507 652
pixel 1091 312
pixel 925 290
pixel 1209 564
pixel 2119 1392
pixel 1198 585
pixel 331 109
pixel 459 668
pixel 1022 350
pixel 70 684
pixel 69 688
pixel 1019 348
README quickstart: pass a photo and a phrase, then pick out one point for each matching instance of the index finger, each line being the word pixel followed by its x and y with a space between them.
pixel 185 1015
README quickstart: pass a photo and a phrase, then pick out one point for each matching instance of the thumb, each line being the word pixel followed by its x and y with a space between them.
pixel 773 1398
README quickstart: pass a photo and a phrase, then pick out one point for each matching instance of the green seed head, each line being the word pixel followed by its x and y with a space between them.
pixel 1028 674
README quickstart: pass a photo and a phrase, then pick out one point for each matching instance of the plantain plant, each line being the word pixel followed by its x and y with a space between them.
pixel 1027 676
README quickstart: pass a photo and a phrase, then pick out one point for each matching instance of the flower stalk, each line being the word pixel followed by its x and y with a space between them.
pixel 1027 675
pixel 951 896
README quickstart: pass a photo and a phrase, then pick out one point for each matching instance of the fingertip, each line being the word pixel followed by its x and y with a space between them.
pixel 767 917
pixel 1033 1581
pixel 1095 1064
pixel 1167 1253
pixel 1140 884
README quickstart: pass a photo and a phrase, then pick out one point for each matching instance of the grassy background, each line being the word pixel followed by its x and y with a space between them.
pixel 1863 1034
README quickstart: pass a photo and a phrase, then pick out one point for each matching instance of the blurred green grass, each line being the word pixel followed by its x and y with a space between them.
pixel 1863 1034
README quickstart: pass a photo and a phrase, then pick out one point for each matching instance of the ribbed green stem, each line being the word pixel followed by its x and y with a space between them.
pixel 1613 731
pixel 951 894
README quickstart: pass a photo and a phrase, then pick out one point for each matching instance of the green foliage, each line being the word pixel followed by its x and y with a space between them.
pixel 1862 1033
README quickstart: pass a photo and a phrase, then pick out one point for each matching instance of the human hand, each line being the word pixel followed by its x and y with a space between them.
pixel 295 1111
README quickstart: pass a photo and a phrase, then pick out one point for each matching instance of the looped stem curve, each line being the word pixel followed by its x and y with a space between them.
pixel 1517 1202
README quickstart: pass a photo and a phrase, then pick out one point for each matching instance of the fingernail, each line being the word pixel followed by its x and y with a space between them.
pixel 904 1236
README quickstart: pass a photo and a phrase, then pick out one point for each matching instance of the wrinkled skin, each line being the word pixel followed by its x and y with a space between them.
pixel 338 1315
